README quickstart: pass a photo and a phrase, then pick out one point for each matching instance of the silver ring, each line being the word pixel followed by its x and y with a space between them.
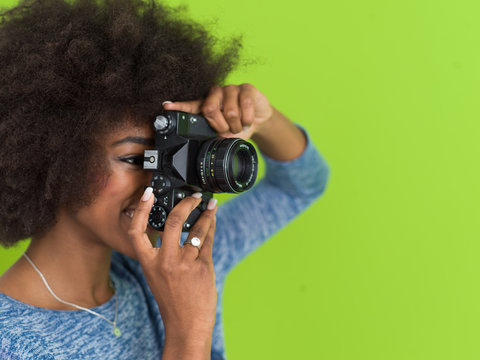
pixel 195 241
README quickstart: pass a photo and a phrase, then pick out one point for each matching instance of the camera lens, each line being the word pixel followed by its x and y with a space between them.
pixel 227 165
pixel 236 166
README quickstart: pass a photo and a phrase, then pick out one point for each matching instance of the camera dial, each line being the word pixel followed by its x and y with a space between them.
pixel 161 184
pixel 158 216
pixel 161 124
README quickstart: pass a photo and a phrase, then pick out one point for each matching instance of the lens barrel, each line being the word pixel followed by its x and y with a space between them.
pixel 227 165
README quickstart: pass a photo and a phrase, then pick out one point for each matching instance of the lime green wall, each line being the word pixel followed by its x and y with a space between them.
pixel 385 265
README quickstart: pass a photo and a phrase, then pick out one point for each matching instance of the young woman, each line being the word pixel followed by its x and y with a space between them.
pixel 80 85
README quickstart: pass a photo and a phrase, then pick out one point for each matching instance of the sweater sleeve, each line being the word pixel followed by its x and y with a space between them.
pixel 287 189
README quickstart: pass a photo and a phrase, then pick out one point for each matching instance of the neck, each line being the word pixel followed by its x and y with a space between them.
pixel 76 269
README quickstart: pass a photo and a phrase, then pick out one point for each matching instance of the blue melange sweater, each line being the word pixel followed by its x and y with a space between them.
pixel 243 224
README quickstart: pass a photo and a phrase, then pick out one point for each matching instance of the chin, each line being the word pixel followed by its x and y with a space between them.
pixel 126 247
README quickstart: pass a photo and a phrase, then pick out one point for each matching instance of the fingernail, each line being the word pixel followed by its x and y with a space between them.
pixel 211 204
pixel 246 128
pixel 166 102
pixel 197 195
pixel 147 193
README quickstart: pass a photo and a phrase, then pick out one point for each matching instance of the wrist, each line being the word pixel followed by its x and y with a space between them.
pixel 265 127
pixel 279 138
pixel 187 344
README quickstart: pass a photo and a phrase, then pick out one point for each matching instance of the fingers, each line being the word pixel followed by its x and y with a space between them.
pixel 230 109
pixel 192 107
pixel 207 247
pixel 175 220
pixel 141 242
pixel 200 231
pixel 211 109
pixel 246 99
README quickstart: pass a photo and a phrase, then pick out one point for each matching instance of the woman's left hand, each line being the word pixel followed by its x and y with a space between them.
pixel 232 110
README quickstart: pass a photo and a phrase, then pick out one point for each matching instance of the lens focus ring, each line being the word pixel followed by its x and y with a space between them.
pixel 227 165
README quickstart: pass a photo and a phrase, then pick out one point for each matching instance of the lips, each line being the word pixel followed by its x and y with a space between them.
pixel 129 212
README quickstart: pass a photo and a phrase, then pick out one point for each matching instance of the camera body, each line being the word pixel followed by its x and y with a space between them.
pixel 189 157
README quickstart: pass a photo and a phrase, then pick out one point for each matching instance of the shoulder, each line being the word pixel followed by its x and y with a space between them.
pixel 18 339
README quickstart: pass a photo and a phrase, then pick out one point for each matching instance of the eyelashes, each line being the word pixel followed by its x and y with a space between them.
pixel 136 160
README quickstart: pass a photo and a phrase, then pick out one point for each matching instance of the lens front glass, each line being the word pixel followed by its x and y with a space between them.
pixel 235 165
pixel 241 166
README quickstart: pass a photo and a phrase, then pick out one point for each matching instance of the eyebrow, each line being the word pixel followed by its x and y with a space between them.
pixel 135 140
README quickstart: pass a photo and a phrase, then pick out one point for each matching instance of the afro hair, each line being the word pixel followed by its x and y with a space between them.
pixel 70 71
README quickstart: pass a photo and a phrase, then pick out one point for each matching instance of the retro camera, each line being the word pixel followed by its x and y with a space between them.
pixel 189 157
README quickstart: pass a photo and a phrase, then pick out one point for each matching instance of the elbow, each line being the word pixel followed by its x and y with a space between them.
pixel 320 181
pixel 314 184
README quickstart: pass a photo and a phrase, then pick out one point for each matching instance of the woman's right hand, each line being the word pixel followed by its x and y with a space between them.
pixel 181 278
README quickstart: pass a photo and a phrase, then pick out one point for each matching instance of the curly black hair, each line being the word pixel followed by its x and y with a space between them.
pixel 70 72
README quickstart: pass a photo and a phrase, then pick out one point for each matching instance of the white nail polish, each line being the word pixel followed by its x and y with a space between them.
pixel 147 193
pixel 246 128
pixel 166 102
pixel 197 195
pixel 211 204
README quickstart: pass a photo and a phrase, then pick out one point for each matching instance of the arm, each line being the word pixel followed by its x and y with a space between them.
pixel 287 189
pixel 272 136
pixel 296 173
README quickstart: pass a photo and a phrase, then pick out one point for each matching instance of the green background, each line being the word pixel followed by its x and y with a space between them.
pixel 386 264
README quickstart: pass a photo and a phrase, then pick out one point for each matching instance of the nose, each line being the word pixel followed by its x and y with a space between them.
pixel 147 178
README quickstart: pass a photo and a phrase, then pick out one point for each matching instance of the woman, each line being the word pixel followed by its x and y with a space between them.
pixel 80 84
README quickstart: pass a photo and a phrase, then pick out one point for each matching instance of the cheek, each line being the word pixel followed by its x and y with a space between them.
pixel 117 184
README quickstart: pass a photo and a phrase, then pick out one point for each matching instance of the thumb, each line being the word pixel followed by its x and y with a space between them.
pixel 141 242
